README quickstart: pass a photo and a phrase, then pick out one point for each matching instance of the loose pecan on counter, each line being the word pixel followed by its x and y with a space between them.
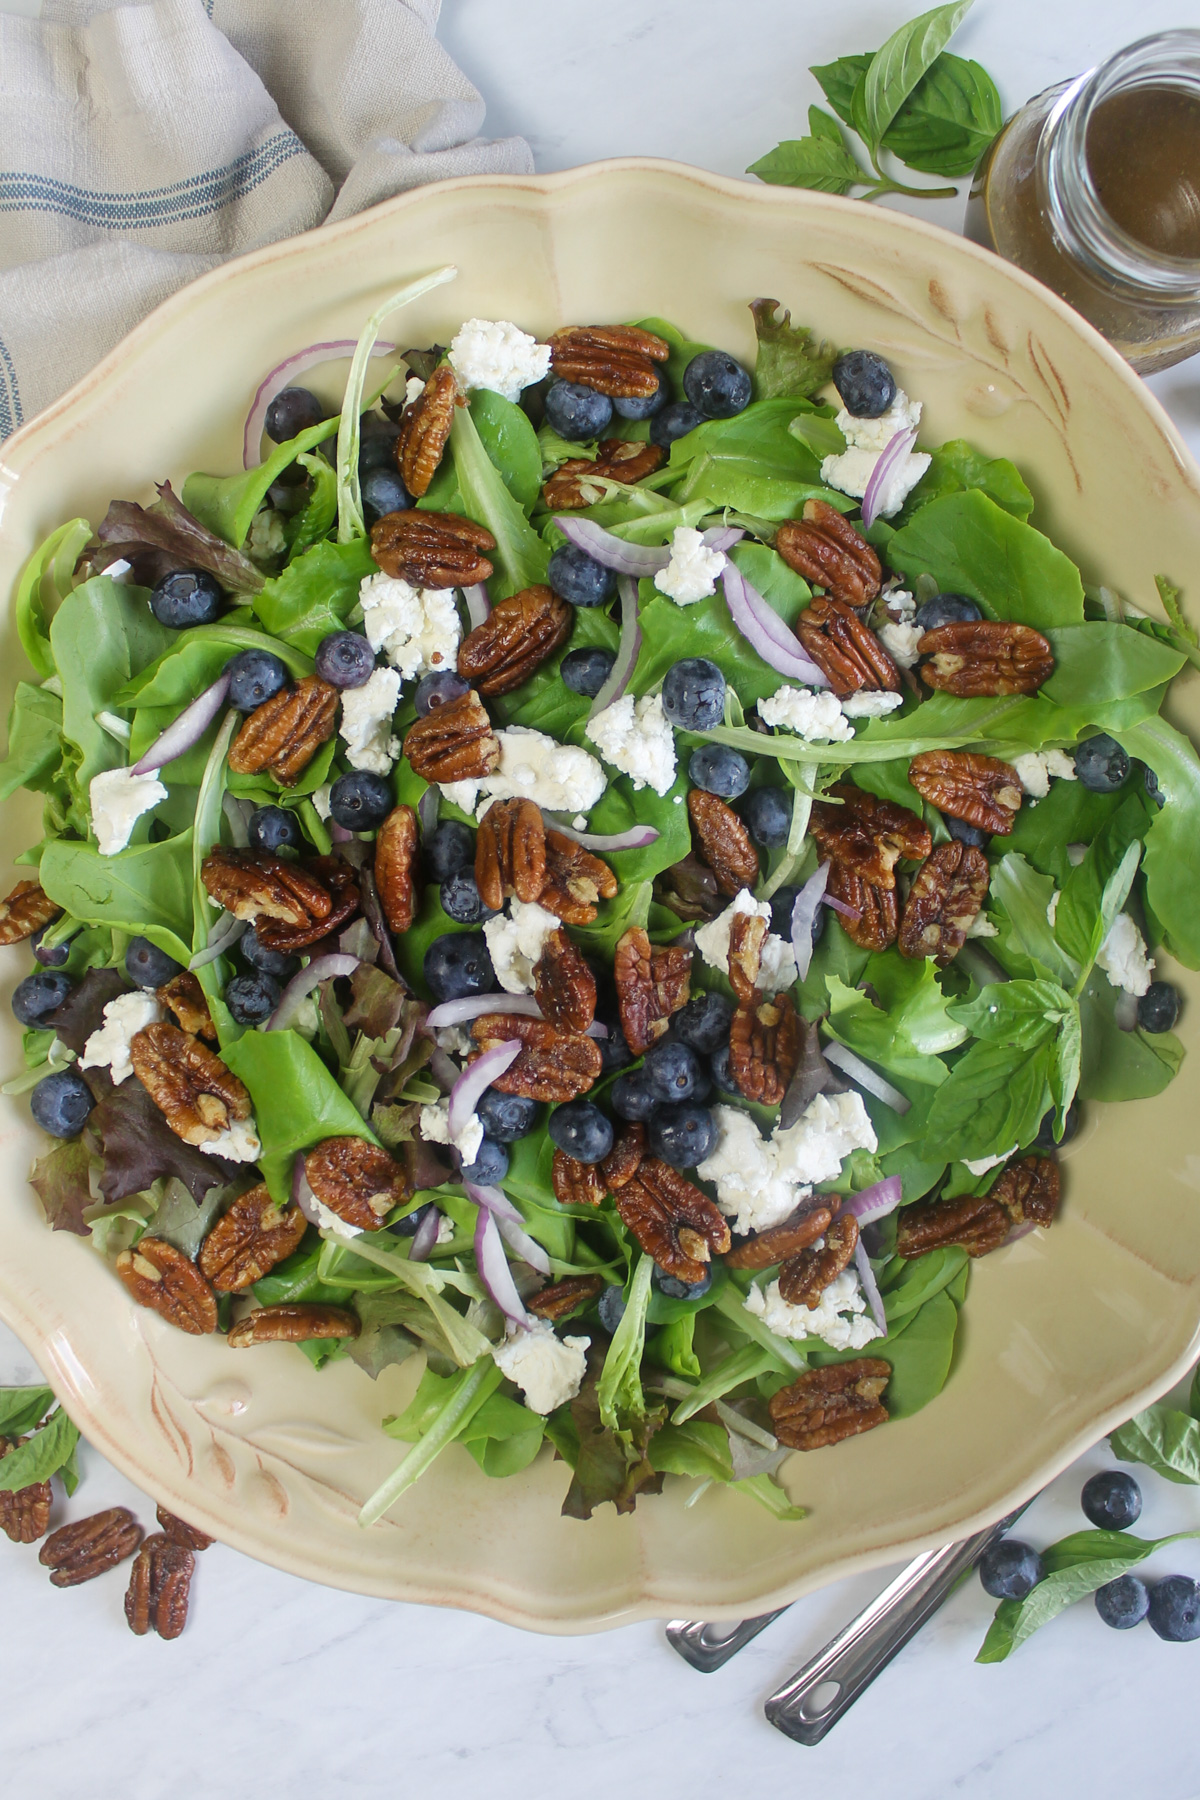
pixel 286 731
pixel 185 998
pixel 827 1405
pixel 510 853
pixel 180 1532
pixel 25 1512
pixel 617 360
pixel 454 742
pixel 672 1220
pixel 985 656
pixel 804 1277
pixel 564 1297
pixel 160 1583
pixel 356 1180
pixel 25 911
pixel 580 481
pixel 88 1547
pixel 397 867
pixel 563 984
pixel 246 1242
pixel 980 789
pixel 779 1242
pixel 875 919
pixel 575 880
pixel 975 1221
pixel 517 637
pixel 944 901
pixel 553 1065
pixel 764 1048
pixel 292 1323
pixel 866 836
pixel 431 549
pixel 652 982
pixel 197 1095
pixel 576 1183
pixel 160 1277
pixel 826 549
pixel 425 429
pixel 723 841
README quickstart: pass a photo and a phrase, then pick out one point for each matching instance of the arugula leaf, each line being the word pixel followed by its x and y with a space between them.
pixel 34 739
pixel 898 66
pixel 1165 1440
pixel 972 546
pixel 42 583
pixel 316 593
pixel 790 360
pixel 822 161
pixel 956 466
pixel 948 120
pixel 23 1408
pixel 839 79
pixel 1121 1065
pixel 520 556
pixel 44 1454
pixel 1172 861
pixel 60 1180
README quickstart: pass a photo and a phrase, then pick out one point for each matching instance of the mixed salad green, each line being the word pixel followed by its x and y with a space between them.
pixel 547 1312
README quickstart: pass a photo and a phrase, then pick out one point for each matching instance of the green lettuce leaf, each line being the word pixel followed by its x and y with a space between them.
pixel 520 556
pixel 296 1100
pixel 791 360
pixel 1172 860
pixel 41 586
pixel 316 593
pixel 972 546
pixel 34 739
pixel 956 466
pixel 145 889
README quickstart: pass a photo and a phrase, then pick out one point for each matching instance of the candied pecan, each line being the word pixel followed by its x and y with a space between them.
pixel 975 1221
pixel 563 985
pixel 356 1180
pixel 425 429
pixel 88 1547
pixel 180 1532
pixel 1028 1190
pixel 159 1587
pixel 510 852
pixel 723 841
pixel 985 656
pixel 184 997
pixel 876 917
pixel 625 1158
pixel 846 650
pixel 764 1048
pixel 581 480
pixel 454 742
pixel 517 637
pixel 161 1277
pixel 617 360
pixel 398 867
pixel 826 1405
pixel 689 888
pixel 747 935
pixel 286 731
pixel 672 1220
pixel 192 1088
pixel 431 549
pixel 25 1512
pixel 826 549
pixel 944 901
pixel 804 1277
pixel 866 836
pixel 652 983
pixel 554 1065
pixel 565 1297
pixel 254 885
pixel 337 879
pixel 575 880
pixel 575 1183
pixel 779 1242
pixel 980 789
pixel 247 1242
pixel 292 1323
pixel 25 911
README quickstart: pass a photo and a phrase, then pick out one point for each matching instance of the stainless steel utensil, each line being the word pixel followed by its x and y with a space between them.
pixel 709 1647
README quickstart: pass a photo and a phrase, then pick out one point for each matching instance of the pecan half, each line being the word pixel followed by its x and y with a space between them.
pixel 575 880
pixel 876 917
pixel 25 1512
pixel 580 481
pixel 1028 1190
pixel 247 1242
pixel 617 360
pixel 25 911
pixel 454 742
pixel 944 901
pixel 563 985
pixel 180 1532
pixel 517 637
pixel 160 1584
pixel 292 1323
pixel 779 1242
pixel 190 1085
pixel 672 1220
pixel 652 982
pixel 747 935
pixel 254 885
pixel 565 1297
pixel 161 1277
pixel 764 1048
pixel 337 880
pixel 980 789
pixel 575 1183
pixel 358 1181
pixel 867 836
pixel 845 649
pixel 185 998
pixel 88 1547
pixel 625 1158
pixel 977 1222
pixel 723 841
pixel 826 549
pixel 425 429
pixel 431 549
pixel 827 1405
pixel 985 656
pixel 554 1065
pixel 804 1278
pixel 397 867
pixel 286 731
pixel 510 852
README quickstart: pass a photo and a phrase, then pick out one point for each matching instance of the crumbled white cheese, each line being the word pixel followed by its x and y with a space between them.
pixel 778 968
pixel 981 927
pixel 560 778
pixel 636 738
pixel 814 1148
pixel 579 823
pixel 851 472
pixel 435 1129
pixel 841 1319
pixel 367 722
pixel 454 1040
pixel 900 604
pixel 418 629
pixel 492 353
pixel 1123 957
pixel 1035 769
pixel 982 1164
pixel 874 434
pixel 692 572
pixel 328 1220
pixel 414 387
pixel 548 1369
pixel 759 1181
pixel 239 1142
pixel 123 1018
pixel 320 799
pixel 818 718
pixel 117 799
pixel 515 944
pixel 871 703
pixel 900 640
pixel 265 540
pixel 445 1230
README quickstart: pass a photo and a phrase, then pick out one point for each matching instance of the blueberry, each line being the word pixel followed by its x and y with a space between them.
pixel 682 1135
pixel 675 1289
pixel 1101 765
pixel 1174 1610
pixel 267 962
pixel 1010 1569
pixel 947 609
pixel 39 995
pixel 1158 1008
pixel 459 964
pixel 719 770
pixel 360 801
pixel 186 597
pixel 439 689
pixel 614 1051
pixel 722 1072
pixel 579 578
pixel 581 1130
pixel 673 1069
pixel 576 412
pixel 716 385
pixel 1153 791
pixel 61 1103
pixel 291 412
pixel 506 1117
pixel 611 1307
pixel 703 1024
pixel 965 834
pixel 637 406
pixel 448 849
pixel 274 828
pixel 51 956
pixel 383 492
pixel 768 815
pixel 586 670
pixel 1123 1603
pixel 376 443
pixel 411 1223
pixel 1112 1500
pixel 674 421
pixel 345 659
pixel 252 998
pixel 693 694
pixel 864 383
pixel 461 899
pixel 633 1098
pixel 1045 1140
pixel 490 1165
pixel 254 676
pixel 149 966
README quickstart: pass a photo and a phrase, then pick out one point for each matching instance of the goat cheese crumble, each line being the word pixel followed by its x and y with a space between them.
pixel 778 968
pixel 866 439
pixel 871 703
pixel 1035 769
pixel 759 1181
pixel 117 799
pixel 239 1142
pixel 366 725
pixel 900 640
pixel 560 778
pixel 818 718
pixel 495 354
pixel 982 1164
pixel 636 738
pixel 417 629
pixel 515 944
pixel 548 1369
pixel 1123 957
pixel 108 1047
pixel 692 572
pixel 840 1319
pixel 435 1129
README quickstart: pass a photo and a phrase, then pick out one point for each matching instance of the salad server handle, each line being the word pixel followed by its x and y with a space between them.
pixel 709 1647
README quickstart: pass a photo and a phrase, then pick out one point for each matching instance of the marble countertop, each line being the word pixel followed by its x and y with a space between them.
pixel 279 1686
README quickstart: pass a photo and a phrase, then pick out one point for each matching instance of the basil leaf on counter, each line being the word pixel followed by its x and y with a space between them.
pixel 898 66
pixel 839 79
pixel 23 1408
pixel 948 120
pixel 822 161
pixel 1165 1440
pixel 40 1456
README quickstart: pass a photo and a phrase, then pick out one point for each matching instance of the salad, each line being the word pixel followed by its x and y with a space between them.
pixel 602 868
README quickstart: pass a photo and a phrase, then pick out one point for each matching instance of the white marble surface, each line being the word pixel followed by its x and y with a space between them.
pixel 279 1686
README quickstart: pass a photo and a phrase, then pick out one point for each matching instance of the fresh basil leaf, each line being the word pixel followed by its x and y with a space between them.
pixel 1165 1440
pixel 898 66
pixel 23 1408
pixel 316 593
pixel 972 546
pixel 811 162
pixel 948 120
pixel 838 81
pixel 956 466
pixel 1020 1013
pixel 1070 814
pixel 520 557
pixel 34 739
pixel 296 1100
pixel 40 1456
pixel 1024 896
pixel 1121 1065
pixel 1094 892
pixel 790 360
pixel 1066 1067
pixel 995 1096
pixel 908 1285
pixel 1172 861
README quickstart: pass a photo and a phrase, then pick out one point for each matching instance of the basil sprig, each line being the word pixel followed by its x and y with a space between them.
pixel 50 1450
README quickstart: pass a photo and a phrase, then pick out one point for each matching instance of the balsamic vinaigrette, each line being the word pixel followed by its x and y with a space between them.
pixel 1143 154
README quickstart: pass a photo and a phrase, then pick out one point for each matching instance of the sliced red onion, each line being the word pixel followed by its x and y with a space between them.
pixel 874 1202
pixel 1020 1231
pixel 444 1070
pixel 596 1030
pixel 477 1077
pixel 840 906
pixel 612 552
pixel 302 1194
pixel 636 838
pixel 494 1271
pixel 301 986
pixel 870 1286
pixel 1125 1011
pixel 282 376
pixel 511 1224
pixel 804 913
pixel 186 730
pixel 425 1236
pixel 478 605
pixel 495 1200
pixel 722 537
pixel 627 650
pixel 886 464
pixel 866 1076
pixel 226 933
pixel 458 1012
pixel 765 631
pixel 428 807
pixel 338 833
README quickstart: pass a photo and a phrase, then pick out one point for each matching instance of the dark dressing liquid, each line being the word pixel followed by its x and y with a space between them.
pixel 1143 152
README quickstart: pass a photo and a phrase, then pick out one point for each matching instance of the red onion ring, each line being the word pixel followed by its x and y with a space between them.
pixel 866 1076
pixel 627 650
pixel 612 552
pixel 870 1286
pixel 636 838
pixel 478 605
pixel 765 631
pixel 301 986
pixel 875 1202
pixel 1020 1231
pixel 888 460
pixel 303 1195
pixel 494 1271
pixel 280 377
pixel 511 1225
pixel 722 537
pixel 186 730
pixel 428 807
pixel 458 1012
pixel 840 906
pixel 425 1236
pixel 444 1070
pixel 227 933
pixel 804 914
pixel 477 1077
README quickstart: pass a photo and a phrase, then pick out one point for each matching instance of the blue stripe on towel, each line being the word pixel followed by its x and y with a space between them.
pixel 11 412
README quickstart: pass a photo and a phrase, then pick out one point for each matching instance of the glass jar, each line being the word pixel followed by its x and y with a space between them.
pixel 1094 188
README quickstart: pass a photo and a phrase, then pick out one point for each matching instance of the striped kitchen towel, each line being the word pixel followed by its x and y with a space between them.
pixel 143 143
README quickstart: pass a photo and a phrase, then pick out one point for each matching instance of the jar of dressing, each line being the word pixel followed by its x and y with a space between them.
pixel 1094 188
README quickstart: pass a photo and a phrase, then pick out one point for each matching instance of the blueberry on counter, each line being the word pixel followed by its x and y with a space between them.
pixel 459 964
pixel 674 1289
pixel 693 694
pixel 506 1117
pixel 267 962
pixel 61 1102
pixel 254 676
pixel 682 1135
pixel 1112 1500
pixel 1123 1603
pixel 719 770
pixel 274 828
pixel 186 597
pixel 674 421
pixel 611 1307
pixel 1174 1610
pixel 964 833
pixel 447 849
pixel 149 966
pixel 586 670
pixel 293 410
pixel 673 1070
pixel 1158 1008
pixel 383 492
pixel 1101 765
pixel 633 1098
pixel 490 1165
pixel 438 689
pixel 581 1130
pixel 461 899
pixel 717 385
pixel 252 998
pixel 947 609
pixel 643 406
pixel 1010 1569
pixel 576 412
pixel 361 800
pixel 767 812
pixel 345 659
pixel 865 384
pixel 703 1022
pixel 40 994
pixel 578 578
